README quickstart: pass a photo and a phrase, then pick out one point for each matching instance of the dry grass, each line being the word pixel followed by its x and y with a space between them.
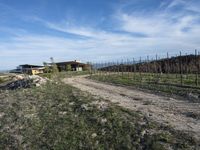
pixel 57 116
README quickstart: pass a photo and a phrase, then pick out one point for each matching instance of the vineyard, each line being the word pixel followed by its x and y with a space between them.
pixel 174 75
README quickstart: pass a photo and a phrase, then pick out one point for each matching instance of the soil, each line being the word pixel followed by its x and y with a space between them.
pixel 177 113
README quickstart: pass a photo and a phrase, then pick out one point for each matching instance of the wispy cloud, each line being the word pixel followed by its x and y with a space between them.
pixel 173 29
pixel 161 22
pixel 163 29
pixel 191 5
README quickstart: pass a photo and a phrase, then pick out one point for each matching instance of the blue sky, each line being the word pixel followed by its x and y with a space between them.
pixel 32 31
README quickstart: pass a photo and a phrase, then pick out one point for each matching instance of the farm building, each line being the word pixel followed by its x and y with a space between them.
pixel 29 69
pixel 72 66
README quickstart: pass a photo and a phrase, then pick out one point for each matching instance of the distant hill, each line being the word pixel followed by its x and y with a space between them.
pixel 184 64
pixel 4 71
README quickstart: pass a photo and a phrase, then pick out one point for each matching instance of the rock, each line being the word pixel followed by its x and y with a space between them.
pixel 150 115
pixel 103 131
pixel 37 84
pixel 94 135
pixel 143 133
pixel 62 112
pixel 103 120
pixel 22 81
pixel 1 115
pixel 192 96
pixel 101 105
pixel 142 123
pixel 71 103
pixel 18 77
pixel 37 80
pixel 85 107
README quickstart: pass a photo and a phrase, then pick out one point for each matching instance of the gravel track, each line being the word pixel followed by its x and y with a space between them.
pixel 179 114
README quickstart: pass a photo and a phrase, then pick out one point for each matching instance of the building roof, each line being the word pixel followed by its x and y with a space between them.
pixel 70 63
pixel 30 66
pixel 15 71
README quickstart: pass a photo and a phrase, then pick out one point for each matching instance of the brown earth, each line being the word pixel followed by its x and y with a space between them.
pixel 179 114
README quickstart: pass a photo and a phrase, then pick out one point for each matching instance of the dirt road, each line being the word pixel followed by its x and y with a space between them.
pixel 179 114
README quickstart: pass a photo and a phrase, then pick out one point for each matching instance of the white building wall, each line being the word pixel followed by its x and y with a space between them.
pixel 79 69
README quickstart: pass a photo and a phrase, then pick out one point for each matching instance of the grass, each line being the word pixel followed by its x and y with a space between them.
pixel 73 73
pixel 4 79
pixel 46 75
pixel 187 79
pixel 168 84
pixel 1 80
pixel 65 74
pixel 58 116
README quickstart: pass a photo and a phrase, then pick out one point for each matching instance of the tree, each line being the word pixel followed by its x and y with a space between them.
pixel 87 67
pixel 68 67
pixel 54 66
pixel 46 67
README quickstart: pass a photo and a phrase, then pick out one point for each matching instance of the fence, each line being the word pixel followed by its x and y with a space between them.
pixel 177 71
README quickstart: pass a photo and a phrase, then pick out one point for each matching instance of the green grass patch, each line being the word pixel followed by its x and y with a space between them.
pixel 73 73
pixel 1 80
pixel 4 79
pixel 64 74
pixel 158 83
pixel 46 75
